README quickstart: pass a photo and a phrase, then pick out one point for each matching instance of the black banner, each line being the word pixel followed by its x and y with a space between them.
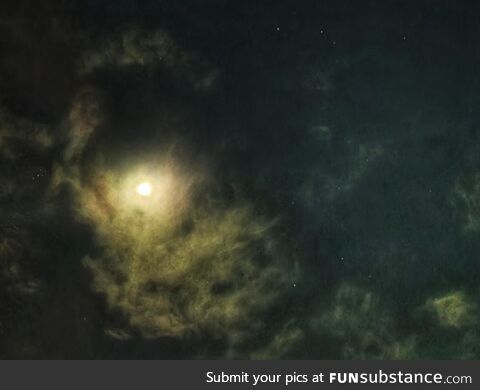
pixel 197 375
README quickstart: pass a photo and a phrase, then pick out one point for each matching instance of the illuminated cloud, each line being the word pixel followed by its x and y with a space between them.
pixel 136 206
pixel 453 310
pixel 172 258
pixel 176 263
pixel 176 268
pixel 83 119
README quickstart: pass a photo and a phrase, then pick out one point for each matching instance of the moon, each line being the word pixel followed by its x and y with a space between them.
pixel 144 189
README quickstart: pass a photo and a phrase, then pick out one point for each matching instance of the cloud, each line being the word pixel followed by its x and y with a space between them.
pixel 289 337
pixel 183 262
pixel 192 269
pixel 136 47
pixel 178 263
pixel 452 310
pixel 204 260
pixel 83 119
pixel 24 175
pixel 322 185
pixel 15 257
pixel 17 132
pixel 467 200
pixel 361 326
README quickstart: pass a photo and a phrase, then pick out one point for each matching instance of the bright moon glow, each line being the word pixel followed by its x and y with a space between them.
pixel 144 189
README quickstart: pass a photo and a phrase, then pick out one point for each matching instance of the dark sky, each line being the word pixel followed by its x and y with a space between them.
pixel 315 176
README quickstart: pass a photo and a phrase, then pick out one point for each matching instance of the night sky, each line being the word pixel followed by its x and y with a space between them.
pixel 192 179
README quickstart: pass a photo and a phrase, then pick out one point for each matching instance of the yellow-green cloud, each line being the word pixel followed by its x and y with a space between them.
pixel 452 310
